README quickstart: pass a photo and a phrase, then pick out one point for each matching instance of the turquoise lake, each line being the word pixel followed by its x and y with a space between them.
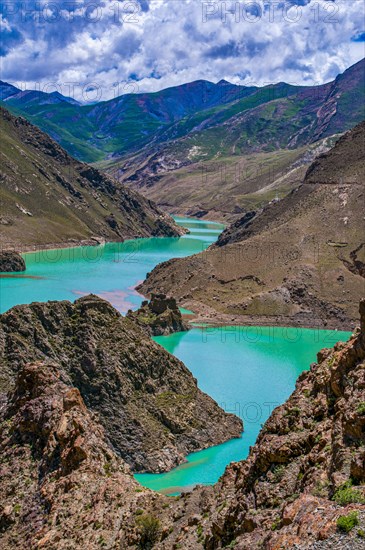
pixel 247 370
pixel 111 271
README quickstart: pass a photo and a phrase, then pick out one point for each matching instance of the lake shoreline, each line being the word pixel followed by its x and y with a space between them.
pixel 93 241
pixel 225 320
pixel 204 315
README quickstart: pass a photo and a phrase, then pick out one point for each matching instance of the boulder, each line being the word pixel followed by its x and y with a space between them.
pixel 11 262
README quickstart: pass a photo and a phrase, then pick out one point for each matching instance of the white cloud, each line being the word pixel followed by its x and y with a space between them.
pixel 161 43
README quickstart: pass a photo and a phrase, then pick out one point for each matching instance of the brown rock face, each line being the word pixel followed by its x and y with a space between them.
pixel 147 400
pixel 160 316
pixel 62 485
pixel 11 261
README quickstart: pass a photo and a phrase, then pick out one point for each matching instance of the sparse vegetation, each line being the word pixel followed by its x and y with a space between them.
pixel 276 524
pixel 294 411
pixel 107 469
pixel 321 489
pixel 347 523
pixel 149 529
pixel 278 472
pixel 199 532
pixel 346 494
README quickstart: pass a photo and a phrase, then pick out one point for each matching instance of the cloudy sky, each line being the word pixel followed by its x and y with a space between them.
pixel 102 48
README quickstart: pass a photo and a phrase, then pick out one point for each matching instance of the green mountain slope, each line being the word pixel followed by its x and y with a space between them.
pixel 123 124
pixel 47 197
pixel 205 164
pixel 218 117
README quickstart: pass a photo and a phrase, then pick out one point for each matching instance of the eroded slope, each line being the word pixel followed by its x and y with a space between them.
pixel 49 198
pixel 300 261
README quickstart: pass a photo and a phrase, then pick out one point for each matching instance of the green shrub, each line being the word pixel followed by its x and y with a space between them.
pixel 278 472
pixel 149 529
pixel 361 408
pixel 199 532
pixel 107 469
pixel 346 494
pixel 276 524
pixel 294 411
pixel 346 523
pixel 361 533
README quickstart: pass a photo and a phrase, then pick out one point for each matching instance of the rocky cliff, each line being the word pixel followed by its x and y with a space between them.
pixel 159 316
pixel 301 487
pixel 62 486
pixel 146 399
pixel 49 198
pixel 11 261
pixel 304 479
pixel 300 261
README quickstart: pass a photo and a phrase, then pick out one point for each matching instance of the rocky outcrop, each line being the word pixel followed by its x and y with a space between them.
pixel 11 261
pixel 305 471
pixel 159 316
pixel 147 400
pixel 301 487
pixel 62 486
pixel 343 164
pixel 233 233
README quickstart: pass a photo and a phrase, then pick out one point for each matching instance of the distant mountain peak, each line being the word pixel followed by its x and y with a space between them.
pixel 7 90
pixel 38 97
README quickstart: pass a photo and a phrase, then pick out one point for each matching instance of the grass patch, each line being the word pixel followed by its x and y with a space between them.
pixel 347 523
pixel 276 525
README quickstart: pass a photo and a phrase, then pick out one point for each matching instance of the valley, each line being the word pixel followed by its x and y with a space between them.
pixel 180 146
pixel 229 410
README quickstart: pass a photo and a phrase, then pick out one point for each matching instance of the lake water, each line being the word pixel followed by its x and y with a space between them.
pixel 111 271
pixel 248 371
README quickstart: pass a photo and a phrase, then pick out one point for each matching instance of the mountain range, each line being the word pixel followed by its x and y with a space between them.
pixel 204 149
pixel 118 126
